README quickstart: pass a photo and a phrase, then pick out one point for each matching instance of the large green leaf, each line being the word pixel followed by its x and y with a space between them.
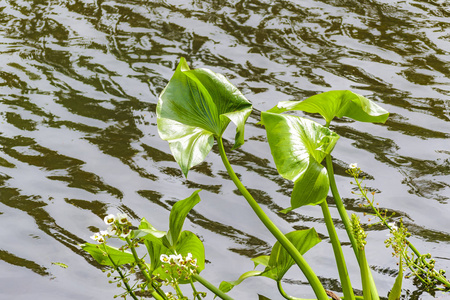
pixel 100 253
pixel 298 146
pixel 280 261
pixel 178 215
pixel 339 104
pixel 195 106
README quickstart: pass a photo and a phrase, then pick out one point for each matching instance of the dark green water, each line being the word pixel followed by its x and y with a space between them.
pixel 79 82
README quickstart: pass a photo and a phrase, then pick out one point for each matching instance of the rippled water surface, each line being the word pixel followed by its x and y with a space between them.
pixel 79 82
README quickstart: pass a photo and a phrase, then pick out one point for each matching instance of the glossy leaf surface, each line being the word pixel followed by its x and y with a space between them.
pixel 195 106
pixel 342 103
pixel 298 146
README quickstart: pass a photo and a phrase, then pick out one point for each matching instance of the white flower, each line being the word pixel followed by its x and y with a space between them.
pixel 111 230
pixel 353 166
pixel 177 259
pixel 98 237
pixel 110 219
pixel 393 226
pixel 164 258
pixel 104 233
pixel 122 218
pixel 125 232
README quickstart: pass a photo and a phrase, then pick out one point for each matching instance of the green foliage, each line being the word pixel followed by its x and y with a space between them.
pixel 298 146
pixel 196 106
pixel 279 261
pixel 103 254
pixel 178 215
pixel 337 104
pixel 396 291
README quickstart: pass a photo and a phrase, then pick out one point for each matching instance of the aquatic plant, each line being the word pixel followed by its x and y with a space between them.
pixel 193 112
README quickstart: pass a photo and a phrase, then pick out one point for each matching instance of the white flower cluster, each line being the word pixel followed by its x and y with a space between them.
pixel 353 166
pixel 178 260
pixel 178 266
pixel 118 226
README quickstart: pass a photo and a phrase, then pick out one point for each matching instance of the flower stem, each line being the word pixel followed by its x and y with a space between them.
pixel 122 277
pixel 211 287
pixel 339 256
pixel 437 275
pixel 346 220
pixel 159 293
pixel 290 248
pixel 196 294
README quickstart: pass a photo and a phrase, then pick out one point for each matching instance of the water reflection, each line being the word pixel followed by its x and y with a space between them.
pixel 79 86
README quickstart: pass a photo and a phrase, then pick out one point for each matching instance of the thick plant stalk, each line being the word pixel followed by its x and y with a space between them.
pixel 211 287
pixel 365 278
pixel 339 256
pixel 346 220
pixel 290 248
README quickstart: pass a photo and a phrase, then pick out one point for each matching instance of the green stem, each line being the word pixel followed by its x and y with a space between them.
pixel 211 287
pixel 340 205
pixel 365 278
pixel 346 220
pixel 160 295
pixel 122 277
pixel 178 290
pixel 339 256
pixel 290 248
pixel 286 296
pixel 196 294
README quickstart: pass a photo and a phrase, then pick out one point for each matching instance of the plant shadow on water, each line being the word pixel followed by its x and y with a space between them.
pixel 79 83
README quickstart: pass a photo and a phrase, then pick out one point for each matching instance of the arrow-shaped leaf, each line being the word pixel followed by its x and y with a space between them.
pixel 339 104
pixel 298 146
pixel 196 106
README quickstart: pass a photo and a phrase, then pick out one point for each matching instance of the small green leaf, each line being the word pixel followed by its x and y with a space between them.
pixel 60 265
pixel 298 146
pixel 146 228
pixel 178 214
pixel 261 260
pixel 195 106
pixel 396 291
pixel 280 261
pixel 102 252
pixel 339 104
pixel 226 286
